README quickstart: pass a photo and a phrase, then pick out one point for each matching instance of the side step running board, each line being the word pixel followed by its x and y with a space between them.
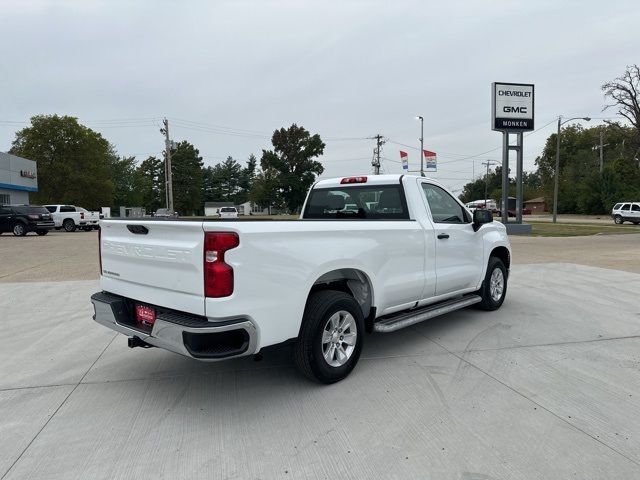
pixel 406 319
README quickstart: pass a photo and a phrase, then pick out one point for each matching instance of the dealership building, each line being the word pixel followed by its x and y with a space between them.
pixel 18 177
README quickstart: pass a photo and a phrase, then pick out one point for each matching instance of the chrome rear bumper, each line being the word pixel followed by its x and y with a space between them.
pixel 189 335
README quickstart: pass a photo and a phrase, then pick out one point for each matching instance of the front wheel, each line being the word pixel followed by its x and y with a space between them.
pixel 19 229
pixel 494 287
pixel 331 336
pixel 618 220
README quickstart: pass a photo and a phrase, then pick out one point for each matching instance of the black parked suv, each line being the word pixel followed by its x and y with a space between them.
pixel 21 219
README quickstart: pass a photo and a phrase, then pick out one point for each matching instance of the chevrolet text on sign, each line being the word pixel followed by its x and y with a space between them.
pixel 512 106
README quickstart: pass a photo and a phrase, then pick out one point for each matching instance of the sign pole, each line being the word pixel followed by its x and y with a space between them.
pixel 505 178
pixel 519 189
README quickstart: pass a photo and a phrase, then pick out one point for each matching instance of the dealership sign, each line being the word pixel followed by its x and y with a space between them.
pixel 27 174
pixel 512 107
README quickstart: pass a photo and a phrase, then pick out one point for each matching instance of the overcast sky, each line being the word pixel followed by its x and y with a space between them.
pixel 227 73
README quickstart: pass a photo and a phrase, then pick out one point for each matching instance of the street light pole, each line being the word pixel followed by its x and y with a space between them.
pixel 421 145
pixel 557 171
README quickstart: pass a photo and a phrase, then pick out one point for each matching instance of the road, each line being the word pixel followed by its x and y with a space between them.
pixel 546 387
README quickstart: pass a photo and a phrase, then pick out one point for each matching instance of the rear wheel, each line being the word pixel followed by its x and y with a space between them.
pixel 42 232
pixel 618 220
pixel 69 225
pixel 19 229
pixel 494 287
pixel 331 336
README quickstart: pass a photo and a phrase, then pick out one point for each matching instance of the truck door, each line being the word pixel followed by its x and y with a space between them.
pixel 459 254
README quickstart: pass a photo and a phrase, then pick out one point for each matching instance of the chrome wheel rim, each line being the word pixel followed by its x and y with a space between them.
pixel 18 230
pixel 496 285
pixel 339 338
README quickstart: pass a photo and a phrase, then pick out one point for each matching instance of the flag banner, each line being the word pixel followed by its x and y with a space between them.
pixel 404 157
pixel 431 160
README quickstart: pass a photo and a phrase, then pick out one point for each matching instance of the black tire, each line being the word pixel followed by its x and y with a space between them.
pixel 42 233
pixel 308 350
pixel 19 229
pixel 69 225
pixel 618 220
pixel 488 301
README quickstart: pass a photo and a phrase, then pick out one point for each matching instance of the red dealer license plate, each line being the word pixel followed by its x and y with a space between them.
pixel 145 315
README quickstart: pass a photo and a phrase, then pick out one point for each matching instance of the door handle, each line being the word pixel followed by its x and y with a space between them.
pixel 442 236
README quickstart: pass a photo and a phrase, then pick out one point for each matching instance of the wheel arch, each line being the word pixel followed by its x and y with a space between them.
pixel 503 254
pixel 352 281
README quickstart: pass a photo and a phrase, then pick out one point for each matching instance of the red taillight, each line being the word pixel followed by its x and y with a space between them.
pixel 100 248
pixel 354 180
pixel 81 216
pixel 218 276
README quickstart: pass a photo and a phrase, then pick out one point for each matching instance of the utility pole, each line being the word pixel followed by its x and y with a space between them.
pixel 168 180
pixel 376 154
pixel 486 179
pixel 419 117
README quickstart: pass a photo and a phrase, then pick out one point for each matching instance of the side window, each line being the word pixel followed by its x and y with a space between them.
pixel 635 207
pixel 626 206
pixel 67 208
pixel 51 208
pixel 444 208
pixel 4 211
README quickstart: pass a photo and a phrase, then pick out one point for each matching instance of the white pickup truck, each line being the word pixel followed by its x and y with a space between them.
pixel 70 218
pixel 220 289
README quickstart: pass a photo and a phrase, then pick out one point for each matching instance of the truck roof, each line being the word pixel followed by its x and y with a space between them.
pixel 371 180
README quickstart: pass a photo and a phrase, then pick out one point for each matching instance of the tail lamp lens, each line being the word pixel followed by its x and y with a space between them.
pixel 218 276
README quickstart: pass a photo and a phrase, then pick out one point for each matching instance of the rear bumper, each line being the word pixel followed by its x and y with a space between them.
pixel 41 225
pixel 189 335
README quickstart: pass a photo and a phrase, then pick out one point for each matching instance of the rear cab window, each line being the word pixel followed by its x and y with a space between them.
pixel 358 202
pixel 26 210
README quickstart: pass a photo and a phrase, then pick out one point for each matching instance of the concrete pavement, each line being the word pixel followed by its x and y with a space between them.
pixel 546 387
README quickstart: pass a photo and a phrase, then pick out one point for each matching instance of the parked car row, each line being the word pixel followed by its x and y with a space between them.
pixel 22 219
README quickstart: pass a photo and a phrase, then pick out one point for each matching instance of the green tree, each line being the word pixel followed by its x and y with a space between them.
pixel 247 177
pixel 126 181
pixel 264 191
pixel 290 167
pixel 150 184
pixel 73 161
pixel 476 190
pixel 187 175
pixel 583 188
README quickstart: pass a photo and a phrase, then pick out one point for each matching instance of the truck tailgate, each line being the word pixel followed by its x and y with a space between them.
pixel 157 262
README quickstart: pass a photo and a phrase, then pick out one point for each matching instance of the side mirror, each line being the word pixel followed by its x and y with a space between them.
pixel 480 217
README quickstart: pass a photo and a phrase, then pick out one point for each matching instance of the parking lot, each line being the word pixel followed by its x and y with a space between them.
pixel 547 387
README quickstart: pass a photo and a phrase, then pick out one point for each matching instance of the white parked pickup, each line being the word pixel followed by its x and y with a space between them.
pixel 70 217
pixel 212 290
